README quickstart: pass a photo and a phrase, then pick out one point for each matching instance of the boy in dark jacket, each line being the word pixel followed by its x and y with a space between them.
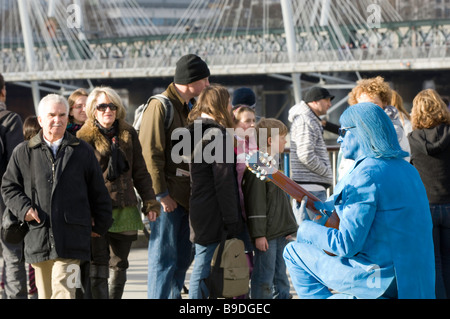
pixel 270 219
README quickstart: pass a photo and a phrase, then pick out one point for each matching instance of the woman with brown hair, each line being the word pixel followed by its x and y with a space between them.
pixel 77 110
pixel 430 155
pixel 214 205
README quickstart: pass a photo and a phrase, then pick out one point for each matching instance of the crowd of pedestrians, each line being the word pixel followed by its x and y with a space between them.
pixel 83 178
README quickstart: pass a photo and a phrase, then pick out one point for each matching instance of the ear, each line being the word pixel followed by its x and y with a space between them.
pixel 39 120
pixel 269 141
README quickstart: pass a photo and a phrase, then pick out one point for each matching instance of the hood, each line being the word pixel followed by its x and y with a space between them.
pixel 198 129
pixel 206 123
pixel 431 141
pixel 296 110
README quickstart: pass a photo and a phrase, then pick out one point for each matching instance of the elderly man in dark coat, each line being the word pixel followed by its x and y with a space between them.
pixel 54 183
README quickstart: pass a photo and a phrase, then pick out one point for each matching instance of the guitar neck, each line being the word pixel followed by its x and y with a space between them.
pixel 294 190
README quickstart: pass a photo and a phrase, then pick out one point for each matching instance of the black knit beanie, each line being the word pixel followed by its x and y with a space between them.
pixel 190 68
pixel 244 96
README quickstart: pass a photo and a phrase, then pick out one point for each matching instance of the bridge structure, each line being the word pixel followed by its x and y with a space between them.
pixel 44 42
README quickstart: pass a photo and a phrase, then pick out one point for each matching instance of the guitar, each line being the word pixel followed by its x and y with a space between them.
pixel 263 166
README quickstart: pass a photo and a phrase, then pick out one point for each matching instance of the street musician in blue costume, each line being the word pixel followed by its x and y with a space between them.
pixel 383 247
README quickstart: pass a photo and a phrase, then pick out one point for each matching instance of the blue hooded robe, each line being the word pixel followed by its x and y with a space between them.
pixel 384 238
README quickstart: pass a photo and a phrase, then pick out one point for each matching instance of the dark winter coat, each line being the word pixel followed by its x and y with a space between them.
pixel 214 203
pixel 11 134
pixel 70 197
pixel 430 155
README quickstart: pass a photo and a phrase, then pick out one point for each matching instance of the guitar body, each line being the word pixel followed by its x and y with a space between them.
pixel 262 166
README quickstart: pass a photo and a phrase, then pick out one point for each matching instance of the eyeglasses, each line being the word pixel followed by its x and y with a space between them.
pixel 343 130
pixel 78 106
pixel 102 107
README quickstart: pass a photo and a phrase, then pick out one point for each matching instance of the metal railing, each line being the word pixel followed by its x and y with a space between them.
pixel 333 151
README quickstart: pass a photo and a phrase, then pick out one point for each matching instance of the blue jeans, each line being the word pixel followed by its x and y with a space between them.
pixel 169 254
pixel 269 278
pixel 201 270
pixel 441 237
pixel 13 274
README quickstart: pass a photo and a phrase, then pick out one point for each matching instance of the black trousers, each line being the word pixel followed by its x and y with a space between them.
pixel 112 250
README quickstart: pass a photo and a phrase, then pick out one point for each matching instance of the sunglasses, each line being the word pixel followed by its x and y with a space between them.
pixel 102 107
pixel 342 131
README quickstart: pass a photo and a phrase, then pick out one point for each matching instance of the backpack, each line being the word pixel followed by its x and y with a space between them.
pixel 168 108
pixel 229 276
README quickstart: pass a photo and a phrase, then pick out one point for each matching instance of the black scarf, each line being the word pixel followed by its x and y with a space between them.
pixel 117 163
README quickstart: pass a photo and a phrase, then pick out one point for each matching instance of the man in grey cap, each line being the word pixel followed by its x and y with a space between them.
pixel 169 249
pixel 310 163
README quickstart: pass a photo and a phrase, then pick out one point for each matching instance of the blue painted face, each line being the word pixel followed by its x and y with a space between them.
pixel 350 146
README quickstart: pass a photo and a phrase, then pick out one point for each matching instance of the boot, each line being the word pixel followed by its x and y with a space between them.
pixel 99 281
pixel 117 284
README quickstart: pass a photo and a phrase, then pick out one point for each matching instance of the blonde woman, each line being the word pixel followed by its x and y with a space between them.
pixel 119 153
pixel 430 154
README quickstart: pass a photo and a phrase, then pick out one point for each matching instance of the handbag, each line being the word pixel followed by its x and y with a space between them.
pixel 13 230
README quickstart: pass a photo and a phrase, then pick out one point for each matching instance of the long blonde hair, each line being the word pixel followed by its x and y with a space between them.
pixel 429 110
pixel 213 101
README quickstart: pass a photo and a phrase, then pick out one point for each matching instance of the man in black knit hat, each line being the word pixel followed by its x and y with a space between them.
pixel 169 249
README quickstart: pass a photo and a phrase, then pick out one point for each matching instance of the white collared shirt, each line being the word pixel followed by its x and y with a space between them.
pixel 54 146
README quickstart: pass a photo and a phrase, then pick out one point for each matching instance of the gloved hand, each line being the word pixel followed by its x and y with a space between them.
pixel 151 205
pixel 300 211
pixel 324 206
pixel 325 212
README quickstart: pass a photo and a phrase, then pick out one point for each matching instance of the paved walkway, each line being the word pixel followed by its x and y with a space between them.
pixel 136 286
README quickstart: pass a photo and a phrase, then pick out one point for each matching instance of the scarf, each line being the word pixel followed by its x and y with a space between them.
pixel 73 128
pixel 117 163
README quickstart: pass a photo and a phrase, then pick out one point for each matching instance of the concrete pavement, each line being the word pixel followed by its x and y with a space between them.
pixel 136 286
